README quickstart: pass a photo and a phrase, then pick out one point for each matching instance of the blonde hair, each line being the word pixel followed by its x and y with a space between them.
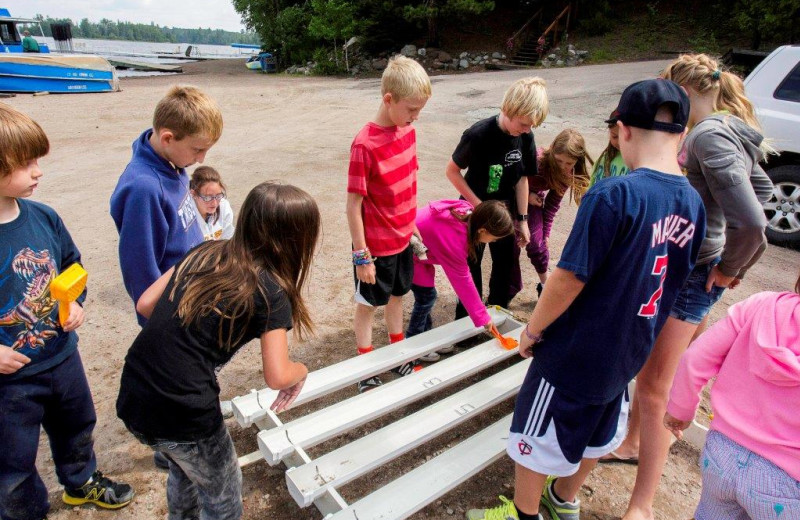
pixel 526 97
pixel 405 78
pixel 703 74
pixel 21 140
pixel 187 111
pixel 568 142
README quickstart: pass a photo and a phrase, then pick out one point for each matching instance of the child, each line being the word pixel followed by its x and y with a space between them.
pixel 452 230
pixel 215 216
pixel 42 382
pixel 560 167
pixel 634 241
pixel 200 313
pixel 610 163
pixel 750 460
pixel 382 204
pixel 151 204
pixel 499 153
pixel 720 157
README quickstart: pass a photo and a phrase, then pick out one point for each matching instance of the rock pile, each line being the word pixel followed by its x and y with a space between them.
pixel 566 57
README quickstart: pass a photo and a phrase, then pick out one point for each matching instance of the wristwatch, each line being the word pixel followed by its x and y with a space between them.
pixel 522 218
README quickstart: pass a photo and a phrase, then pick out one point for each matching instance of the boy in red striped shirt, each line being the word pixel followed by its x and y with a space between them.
pixel 382 204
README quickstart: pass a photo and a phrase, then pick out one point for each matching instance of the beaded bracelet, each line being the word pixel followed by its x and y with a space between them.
pixel 362 257
pixel 535 338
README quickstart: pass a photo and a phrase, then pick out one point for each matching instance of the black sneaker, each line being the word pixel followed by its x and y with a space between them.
pixel 369 384
pixel 100 491
pixel 406 368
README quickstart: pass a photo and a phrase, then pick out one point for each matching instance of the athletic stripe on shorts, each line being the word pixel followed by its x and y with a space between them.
pixel 540 403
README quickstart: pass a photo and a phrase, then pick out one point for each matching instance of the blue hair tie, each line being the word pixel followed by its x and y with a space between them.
pixel 716 74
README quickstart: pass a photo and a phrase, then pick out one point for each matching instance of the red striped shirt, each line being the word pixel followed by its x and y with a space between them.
pixel 383 169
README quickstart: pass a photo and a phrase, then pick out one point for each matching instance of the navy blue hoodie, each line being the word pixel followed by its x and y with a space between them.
pixel 155 217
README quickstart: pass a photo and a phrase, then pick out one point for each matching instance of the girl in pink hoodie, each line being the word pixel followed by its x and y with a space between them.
pixel 751 460
pixel 451 230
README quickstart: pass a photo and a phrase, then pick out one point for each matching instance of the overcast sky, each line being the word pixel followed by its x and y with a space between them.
pixel 216 14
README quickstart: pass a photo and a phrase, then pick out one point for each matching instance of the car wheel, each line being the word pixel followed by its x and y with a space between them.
pixel 783 207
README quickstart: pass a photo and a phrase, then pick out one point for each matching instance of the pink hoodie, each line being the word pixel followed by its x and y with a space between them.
pixel 445 236
pixel 755 354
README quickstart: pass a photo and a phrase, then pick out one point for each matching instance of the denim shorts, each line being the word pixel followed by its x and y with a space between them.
pixel 694 302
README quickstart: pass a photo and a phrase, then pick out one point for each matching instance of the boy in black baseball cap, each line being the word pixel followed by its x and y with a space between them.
pixel 634 242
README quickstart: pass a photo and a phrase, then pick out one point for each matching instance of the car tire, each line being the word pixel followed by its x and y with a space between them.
pixel 783 207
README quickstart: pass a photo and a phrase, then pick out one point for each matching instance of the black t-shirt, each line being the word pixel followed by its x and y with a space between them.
pixel 169 388
pixel 495 160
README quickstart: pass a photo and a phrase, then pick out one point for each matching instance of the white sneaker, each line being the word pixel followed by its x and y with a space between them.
pixel 446 350
pixel 431 358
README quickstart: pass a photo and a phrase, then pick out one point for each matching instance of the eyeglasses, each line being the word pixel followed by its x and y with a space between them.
pixel 208 198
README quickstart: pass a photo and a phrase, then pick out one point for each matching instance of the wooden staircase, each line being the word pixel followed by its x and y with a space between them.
pixel 530 43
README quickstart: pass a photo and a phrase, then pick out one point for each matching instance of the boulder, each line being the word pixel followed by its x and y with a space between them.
pixel 582 54
pixel 552 57
pixel 497 56
pixel 559 63
pixel 422 51
pixel 438 65
pixel 463 64
pixel 443 57
pixel 409 50
pixel 546 63
pixel 379 64
pixel 464 55
pixel 571 52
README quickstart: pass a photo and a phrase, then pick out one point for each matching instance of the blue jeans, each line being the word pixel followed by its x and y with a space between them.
pixel 205 481
pixel 58 400
pixel 693 302
pixel 424 300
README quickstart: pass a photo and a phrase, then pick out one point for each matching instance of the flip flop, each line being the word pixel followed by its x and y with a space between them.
pixel 616 459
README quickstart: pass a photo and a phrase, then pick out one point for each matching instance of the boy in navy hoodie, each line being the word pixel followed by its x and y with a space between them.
pixel 42 382
pixel 151 204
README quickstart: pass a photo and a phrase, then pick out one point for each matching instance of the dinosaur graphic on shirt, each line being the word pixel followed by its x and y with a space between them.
pixel 33 312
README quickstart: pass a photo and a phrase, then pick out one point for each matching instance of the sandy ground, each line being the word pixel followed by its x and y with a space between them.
pixel 298 130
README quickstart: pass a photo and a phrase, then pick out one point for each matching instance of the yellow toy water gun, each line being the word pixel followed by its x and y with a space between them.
pixel 66 288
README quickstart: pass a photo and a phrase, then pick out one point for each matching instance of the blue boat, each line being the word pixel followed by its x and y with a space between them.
pixel 44 71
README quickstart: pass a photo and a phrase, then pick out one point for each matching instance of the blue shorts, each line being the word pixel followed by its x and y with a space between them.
pixel 694 302
pixel 551 432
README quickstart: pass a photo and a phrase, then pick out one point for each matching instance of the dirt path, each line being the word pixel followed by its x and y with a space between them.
pixel 298 130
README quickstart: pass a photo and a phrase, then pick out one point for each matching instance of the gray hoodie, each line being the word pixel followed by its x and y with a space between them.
pixel 720 156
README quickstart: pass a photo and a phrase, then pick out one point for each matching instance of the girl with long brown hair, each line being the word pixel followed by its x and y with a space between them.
pixel 200 313
pixel 563 166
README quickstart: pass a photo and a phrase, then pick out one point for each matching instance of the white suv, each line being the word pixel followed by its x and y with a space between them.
pixel 774 89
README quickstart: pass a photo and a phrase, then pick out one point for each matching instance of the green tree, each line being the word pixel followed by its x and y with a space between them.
pixel 765 17
pixel 332 21
pixel 432 11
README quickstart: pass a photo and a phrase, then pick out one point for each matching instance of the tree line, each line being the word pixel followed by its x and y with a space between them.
pixel 302 30
pixel 107 29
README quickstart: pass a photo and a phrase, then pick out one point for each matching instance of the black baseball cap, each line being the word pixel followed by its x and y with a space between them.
pixel 640 103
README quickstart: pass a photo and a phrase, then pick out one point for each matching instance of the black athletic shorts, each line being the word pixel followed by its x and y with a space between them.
pixel 393 276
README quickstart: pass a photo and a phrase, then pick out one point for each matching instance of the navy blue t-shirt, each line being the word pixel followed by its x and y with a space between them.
pixel 34 248
pixel 634 242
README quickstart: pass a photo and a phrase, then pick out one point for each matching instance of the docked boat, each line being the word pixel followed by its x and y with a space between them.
pixel 44 71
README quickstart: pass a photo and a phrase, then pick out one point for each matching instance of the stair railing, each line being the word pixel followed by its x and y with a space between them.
pixel 519 37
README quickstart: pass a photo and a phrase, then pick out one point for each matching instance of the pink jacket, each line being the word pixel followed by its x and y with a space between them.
pixel 446 239
pixel 755 354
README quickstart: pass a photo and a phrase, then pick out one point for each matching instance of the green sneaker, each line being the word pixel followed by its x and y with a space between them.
pixel 559 510
pixel 505 511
